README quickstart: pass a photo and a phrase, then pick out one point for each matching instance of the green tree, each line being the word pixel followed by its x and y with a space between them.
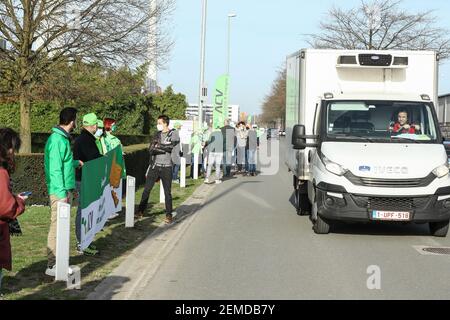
pixel 171 104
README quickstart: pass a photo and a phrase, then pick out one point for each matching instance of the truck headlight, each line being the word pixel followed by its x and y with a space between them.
pixel 333 167
pixel 441 171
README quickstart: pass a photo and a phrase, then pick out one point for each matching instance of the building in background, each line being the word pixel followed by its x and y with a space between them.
pixel 192 112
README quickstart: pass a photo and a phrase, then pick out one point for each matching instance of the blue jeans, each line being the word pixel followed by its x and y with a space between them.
pixel 175 170
pixel 251 163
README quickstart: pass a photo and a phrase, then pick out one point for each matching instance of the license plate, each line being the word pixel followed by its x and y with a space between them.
pixel 391 215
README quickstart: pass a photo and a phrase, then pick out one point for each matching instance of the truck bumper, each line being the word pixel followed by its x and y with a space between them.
pixel 358 208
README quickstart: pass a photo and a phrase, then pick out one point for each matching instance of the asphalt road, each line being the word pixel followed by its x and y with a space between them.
pixel 248 243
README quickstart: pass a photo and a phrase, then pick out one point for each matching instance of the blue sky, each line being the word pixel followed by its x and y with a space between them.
pixel 263 34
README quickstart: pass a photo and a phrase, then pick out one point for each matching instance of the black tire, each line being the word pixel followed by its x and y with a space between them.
pixel 439 229
pixel 321 226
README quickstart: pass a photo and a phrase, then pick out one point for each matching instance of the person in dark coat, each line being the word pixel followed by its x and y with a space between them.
pixel 229 144
pixel 11 206
pixel 85 149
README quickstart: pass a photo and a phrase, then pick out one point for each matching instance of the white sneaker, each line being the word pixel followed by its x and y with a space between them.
pixel 218 181
pixel 51 271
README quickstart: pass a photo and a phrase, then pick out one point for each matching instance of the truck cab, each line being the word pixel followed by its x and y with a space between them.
pixel 368 156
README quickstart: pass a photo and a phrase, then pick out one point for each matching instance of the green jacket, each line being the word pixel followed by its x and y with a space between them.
pixel 101 145
pixel 59 164
pixel 196 144
pixel 111 141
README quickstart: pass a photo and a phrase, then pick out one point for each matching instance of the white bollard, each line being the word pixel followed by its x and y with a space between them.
pixel 162 197
pixel 130 202
pixel 62 242
pixel 196 158
pixel 183 173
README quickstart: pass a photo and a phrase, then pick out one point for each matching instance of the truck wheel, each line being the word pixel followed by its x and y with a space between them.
pixel 439 229
pixel 321 226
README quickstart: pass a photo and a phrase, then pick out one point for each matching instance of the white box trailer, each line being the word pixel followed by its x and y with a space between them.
pixel 363 140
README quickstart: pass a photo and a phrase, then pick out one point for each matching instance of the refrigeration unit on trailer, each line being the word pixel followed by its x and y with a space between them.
pixel 363 139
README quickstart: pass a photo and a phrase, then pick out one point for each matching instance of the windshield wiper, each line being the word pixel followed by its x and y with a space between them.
pixel 353 136
pixel 404 138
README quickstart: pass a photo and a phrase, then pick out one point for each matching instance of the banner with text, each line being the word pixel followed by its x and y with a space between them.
pixel 101 193
pixel 220 102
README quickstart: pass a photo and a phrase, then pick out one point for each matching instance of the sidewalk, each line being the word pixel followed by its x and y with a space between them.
pixel 142 264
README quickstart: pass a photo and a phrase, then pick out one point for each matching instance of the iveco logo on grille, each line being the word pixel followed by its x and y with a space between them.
pixel 390 170
pixel 364 169
pixel 375 58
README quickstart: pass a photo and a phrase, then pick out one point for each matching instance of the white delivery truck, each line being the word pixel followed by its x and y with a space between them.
pixel 363 139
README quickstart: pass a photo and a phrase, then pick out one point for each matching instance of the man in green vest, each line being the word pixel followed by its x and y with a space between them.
pixel 59 175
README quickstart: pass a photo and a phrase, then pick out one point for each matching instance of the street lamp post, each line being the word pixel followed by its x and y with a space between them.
pixel 202 64
pixel 230 15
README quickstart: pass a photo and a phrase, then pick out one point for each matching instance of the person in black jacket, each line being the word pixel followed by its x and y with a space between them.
pixel 160 166
pixel 229 144
pixel 85 149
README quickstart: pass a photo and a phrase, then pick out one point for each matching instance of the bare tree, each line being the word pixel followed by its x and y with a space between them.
pixel 381 25
pixel 274 104
pixel 43 33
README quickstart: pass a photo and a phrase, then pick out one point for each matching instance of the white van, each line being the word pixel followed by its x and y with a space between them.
pixel 363 139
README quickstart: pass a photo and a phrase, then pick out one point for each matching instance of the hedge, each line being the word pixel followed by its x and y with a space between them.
pixel 30 174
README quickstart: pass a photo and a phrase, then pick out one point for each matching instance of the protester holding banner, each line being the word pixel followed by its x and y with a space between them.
pixel 59 175
pixel 160 167
pixel 11 206
pixel 111 140
pixel 85 149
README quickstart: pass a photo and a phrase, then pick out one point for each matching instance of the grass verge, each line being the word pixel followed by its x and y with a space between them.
pixel 115 242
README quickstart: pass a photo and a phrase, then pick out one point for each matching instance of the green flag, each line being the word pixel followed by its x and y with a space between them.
pixel 220 105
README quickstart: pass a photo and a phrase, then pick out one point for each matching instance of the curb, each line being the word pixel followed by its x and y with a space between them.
pixel 140 266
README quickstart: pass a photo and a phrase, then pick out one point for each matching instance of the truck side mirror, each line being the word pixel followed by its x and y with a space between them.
pixel 298 137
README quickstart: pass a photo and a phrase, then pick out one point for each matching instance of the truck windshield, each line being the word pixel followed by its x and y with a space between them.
pixel 372 121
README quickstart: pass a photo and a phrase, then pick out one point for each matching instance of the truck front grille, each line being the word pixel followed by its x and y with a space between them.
pixel 385 203
pixel 390 183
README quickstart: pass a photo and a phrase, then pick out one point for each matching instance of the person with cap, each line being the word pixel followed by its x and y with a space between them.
pixel 111 140
pixel 100 136
pixel 59 175
pixel 176 156
pixel 85 149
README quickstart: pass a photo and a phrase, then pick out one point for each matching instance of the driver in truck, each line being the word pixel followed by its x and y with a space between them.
pixel 402 125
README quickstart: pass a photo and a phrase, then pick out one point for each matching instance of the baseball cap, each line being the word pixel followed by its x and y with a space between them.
pixel 90 119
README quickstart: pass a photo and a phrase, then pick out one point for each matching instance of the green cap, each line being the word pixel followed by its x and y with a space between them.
pixel 100 124
pixel 90 119
pixel 177 125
